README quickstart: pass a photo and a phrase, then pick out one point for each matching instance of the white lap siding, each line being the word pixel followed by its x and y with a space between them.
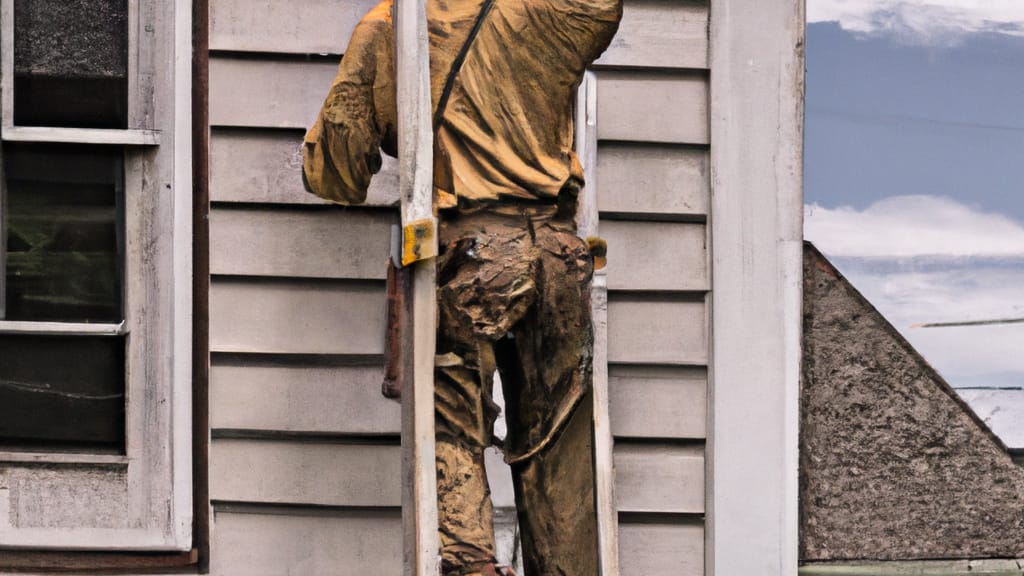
pixel 304 461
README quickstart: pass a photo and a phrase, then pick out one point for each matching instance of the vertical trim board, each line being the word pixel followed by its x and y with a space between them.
pixel 756 132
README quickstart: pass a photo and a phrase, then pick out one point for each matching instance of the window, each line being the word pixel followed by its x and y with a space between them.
pixel 95 275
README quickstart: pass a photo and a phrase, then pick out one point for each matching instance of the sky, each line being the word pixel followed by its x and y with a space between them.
pixel 914 170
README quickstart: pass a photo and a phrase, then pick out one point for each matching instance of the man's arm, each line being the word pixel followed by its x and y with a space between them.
pixel 341 151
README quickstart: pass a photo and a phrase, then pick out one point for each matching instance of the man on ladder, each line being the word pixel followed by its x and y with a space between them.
pixel 513 279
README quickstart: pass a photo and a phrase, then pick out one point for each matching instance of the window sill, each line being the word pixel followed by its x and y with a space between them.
pixel 18 457
pixel 62 328
pixel 81 135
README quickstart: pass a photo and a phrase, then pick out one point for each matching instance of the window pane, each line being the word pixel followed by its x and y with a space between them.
pixel 64 233
pixel 62 392
pixel 71 63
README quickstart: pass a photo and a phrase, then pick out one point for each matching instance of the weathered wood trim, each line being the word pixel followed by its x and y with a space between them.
pixel 588 221
pixel 201 283
pixel 421 543
pixel 64 459
pixel 182 265
pixel 6 64
pixel 50 563
pixel 82 135
pixel 756 210
pixel 3 226
pixel 157 314
pixel 61 328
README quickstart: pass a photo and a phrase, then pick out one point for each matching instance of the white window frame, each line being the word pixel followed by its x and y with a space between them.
pixel 156 469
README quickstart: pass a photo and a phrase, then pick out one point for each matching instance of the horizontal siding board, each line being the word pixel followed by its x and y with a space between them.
pixel 660 33
pixel 649 330
pixel 322 244
pixel 256 93
pixel 656 255
pixel 296 317
pixel 650 402
pixel 280 472
pixel 652 180
pixel 649 106
pixel 353 544
pixel 659 478
pixel 661 549
pixel 265 166
pixel 293 26
pixel 331 400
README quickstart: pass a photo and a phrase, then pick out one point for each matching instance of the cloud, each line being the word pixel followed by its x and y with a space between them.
pixel 929 22
pixel 966 356
pixel 932 259
pixel 909 226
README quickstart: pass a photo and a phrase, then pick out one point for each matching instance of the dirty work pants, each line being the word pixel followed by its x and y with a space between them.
pixel 514 297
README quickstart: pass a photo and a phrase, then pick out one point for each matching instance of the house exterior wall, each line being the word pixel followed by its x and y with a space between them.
pixel 304 462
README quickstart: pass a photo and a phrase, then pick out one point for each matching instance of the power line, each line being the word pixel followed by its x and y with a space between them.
pixel 969 323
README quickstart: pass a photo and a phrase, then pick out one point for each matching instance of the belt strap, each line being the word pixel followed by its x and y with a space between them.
pixel 442 103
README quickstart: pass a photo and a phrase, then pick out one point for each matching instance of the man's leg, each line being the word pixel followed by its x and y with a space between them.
pixel 555 501
pixel 464 413
pixel 550 411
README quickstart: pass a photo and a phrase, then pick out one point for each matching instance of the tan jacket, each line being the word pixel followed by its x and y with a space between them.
pixel 507 130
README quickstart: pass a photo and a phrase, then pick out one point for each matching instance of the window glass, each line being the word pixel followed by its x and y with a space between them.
pixel 64 233
pixel 59 392
pixel 71 63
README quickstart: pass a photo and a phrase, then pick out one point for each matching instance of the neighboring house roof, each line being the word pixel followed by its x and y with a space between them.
pixel 893 463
